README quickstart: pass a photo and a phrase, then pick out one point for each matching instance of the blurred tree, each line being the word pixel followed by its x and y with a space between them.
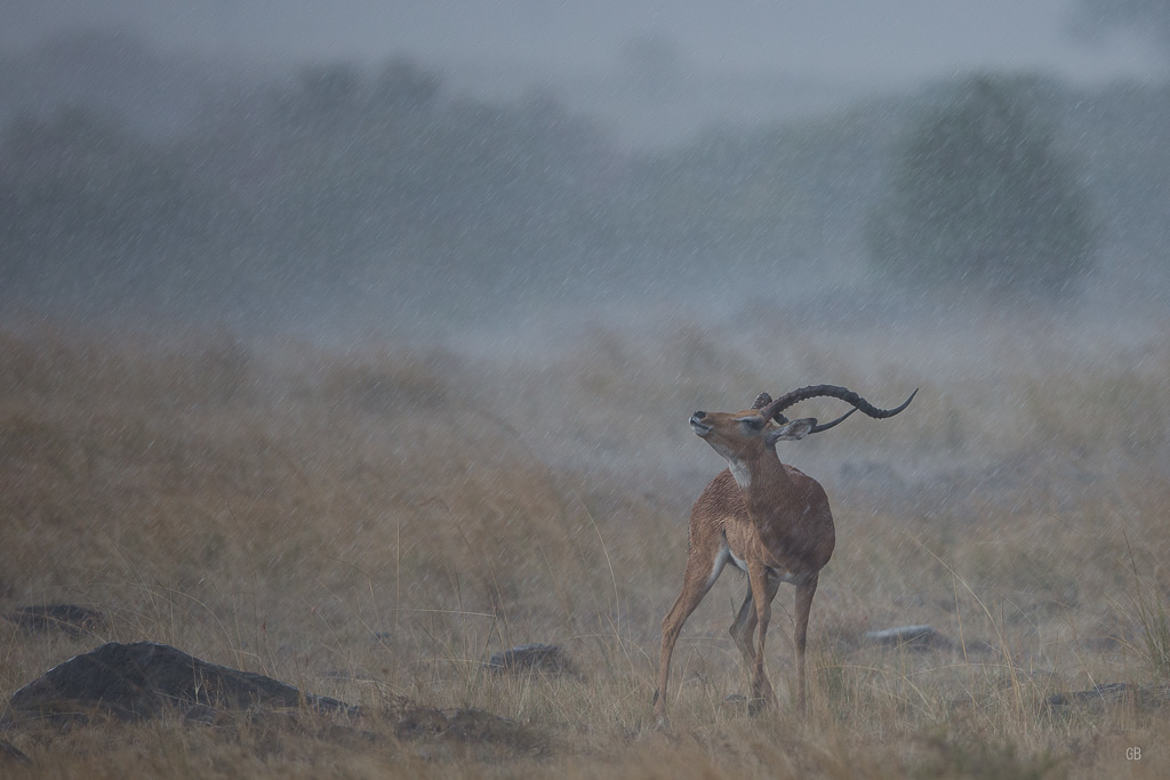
pixel 981 199
pixel 325 94
pixel 403 85
pixel 88 208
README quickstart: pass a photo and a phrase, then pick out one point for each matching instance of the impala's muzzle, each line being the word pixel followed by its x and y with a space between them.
pixel 697 424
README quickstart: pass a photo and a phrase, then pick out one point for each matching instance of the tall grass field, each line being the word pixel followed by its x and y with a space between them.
pixel 372 521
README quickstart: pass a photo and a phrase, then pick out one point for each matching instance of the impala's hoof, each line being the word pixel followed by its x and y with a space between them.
pixel 662 723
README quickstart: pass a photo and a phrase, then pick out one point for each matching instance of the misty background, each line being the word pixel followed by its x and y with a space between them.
pixel 353 342
pixel 443 171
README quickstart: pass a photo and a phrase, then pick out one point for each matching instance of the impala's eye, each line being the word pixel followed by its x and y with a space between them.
pixel 754 422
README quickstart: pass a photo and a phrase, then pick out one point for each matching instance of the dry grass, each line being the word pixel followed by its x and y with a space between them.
pixel 372 525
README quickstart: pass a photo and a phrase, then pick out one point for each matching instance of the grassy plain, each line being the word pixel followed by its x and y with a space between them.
pixel 370 523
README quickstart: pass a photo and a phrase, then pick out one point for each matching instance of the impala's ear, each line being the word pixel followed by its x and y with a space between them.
pixel 797 429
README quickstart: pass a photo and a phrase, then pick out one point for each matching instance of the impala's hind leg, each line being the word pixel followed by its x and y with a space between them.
pixel 804 597
pixel 703 568
pixel 745 623
pixel 744 627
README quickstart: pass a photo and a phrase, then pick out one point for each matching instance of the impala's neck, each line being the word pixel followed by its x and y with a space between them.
pixel 764 482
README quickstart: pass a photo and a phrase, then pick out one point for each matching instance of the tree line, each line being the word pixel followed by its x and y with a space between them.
pixel 342 175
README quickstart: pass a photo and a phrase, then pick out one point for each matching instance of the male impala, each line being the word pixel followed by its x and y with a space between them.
pixel 765 518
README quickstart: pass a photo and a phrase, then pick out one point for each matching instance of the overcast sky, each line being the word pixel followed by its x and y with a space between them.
pixel 852 40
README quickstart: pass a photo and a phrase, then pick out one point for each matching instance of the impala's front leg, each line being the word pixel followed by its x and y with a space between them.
pixel 705 561
pixel 761 689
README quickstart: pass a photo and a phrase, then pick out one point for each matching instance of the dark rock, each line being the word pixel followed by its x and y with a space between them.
pixel 200 713
pixel 550 659
pixel 142 680
pixel 136 681
pixel 11 753
pixel 418 722
pixel 1143 696
pixel 920 637
pixel 466 725
pixel 469 724
pixel 67 618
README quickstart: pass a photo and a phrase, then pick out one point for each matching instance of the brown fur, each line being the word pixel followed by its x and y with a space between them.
pixel 780 527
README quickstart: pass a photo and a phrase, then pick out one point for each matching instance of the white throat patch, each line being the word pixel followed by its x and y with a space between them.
pixel 739 470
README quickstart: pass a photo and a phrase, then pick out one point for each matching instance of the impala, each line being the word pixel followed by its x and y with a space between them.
pixel 765 518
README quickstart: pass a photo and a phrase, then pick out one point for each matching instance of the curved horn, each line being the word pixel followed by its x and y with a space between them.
pixel 762 400
pixel 828 425
pixel 833 391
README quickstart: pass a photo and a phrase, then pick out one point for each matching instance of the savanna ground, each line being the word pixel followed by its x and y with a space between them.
pixel 371 523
